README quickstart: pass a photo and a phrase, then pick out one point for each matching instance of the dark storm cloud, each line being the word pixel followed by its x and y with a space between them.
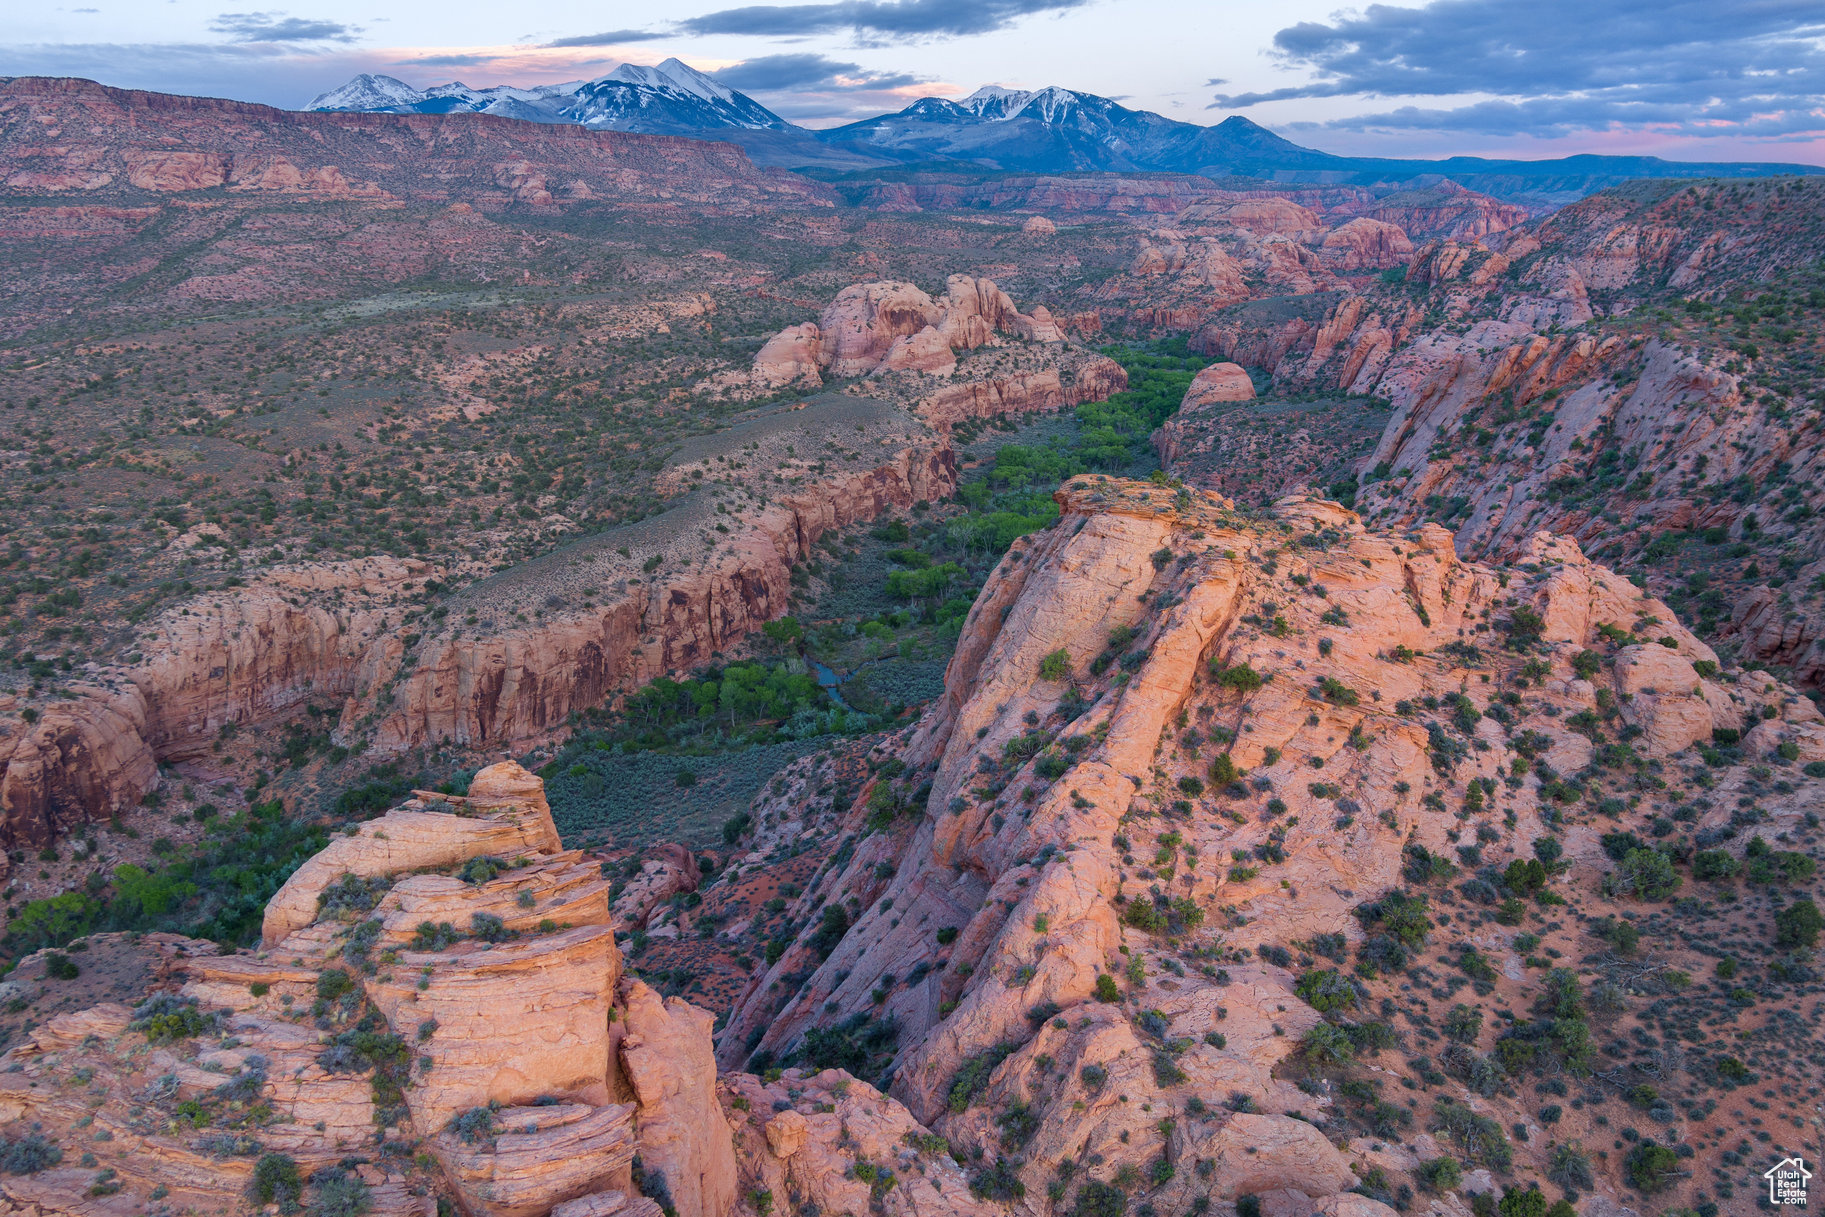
pixel 1559 66
pixel 607 38
pixel 279 27
pixel 774 73
pixel 875 19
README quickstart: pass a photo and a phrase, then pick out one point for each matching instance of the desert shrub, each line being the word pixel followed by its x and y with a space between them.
pixel 352 894
pixel 480 870
pixel 1241 678
pixel 1798 925
pixel 1056 665
pixel 1650 1167
pixel 1621 935
pixel 1166 1071
pixel 429 937
pixel 832 925
pixel 1106 990
pixel 1464 1024
pixel 1647 874
pixel 998 1181
pixel 338 1193
pixel 973 1075
pixel 1715 865
pixel 1097 1199
pixel 1480 1138
pixel 475 1126
pixel 1327 990
pixel 1398 915
pixel 29 1154
pixel 1327 1045
pixel 276 1180
pixel 487 927
pixel 165 1017
pixel 1440 1174
pixel 860 1044
pixel 332 983
pixel 1518 1202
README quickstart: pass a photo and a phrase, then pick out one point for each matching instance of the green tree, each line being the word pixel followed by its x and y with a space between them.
pixel 1798 925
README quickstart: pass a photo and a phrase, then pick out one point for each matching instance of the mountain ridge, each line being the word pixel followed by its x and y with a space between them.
pixel 1048 130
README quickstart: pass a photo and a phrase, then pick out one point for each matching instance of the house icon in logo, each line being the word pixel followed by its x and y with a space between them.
pixel 1787 1182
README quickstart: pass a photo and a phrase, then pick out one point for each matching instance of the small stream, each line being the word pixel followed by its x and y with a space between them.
pixel 829 681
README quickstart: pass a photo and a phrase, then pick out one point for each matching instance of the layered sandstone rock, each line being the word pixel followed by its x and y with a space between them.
pixel 1219 382
pixel 668 1060
pixel 1365 244
pixel 1070 381
pixel 80 760
pixel 1217 385
pixel 892 326
pixel 805 1134
pixel 790 357
pixel 1010 907
pixel 453 947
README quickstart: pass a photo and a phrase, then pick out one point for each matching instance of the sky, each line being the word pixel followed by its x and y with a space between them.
pixel 1712 80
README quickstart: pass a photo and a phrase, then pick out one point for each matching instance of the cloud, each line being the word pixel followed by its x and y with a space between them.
pixel 797 72
pixel 607 38
pixel 875 19
pixel 278 27
pixel 1552 68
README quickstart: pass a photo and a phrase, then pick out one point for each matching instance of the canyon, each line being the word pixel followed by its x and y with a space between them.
pixel 563 672
pixel 462 969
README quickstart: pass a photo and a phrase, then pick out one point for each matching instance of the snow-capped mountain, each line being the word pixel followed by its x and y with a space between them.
pixel 368 91
pixel 1050 130
pixel 672 98
pixel 1053 129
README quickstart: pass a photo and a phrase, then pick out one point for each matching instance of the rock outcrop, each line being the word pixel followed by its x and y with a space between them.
pixel 1119 678
pixel 891 326
pixel 449 969
pixel 74 762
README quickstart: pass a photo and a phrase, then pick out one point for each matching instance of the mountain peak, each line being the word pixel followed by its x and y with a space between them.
pixel 368 91
pixel 673 74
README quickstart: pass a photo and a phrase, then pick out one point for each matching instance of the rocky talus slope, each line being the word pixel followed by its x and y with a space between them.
pixel 1174 740
pixel 444 980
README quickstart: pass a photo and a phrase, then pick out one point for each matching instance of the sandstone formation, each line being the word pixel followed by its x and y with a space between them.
pixel 1011 904
pixel 1217 385
pixel 1069 380
pixel 462 975
pixel 79 761
pixel 1365 244
pixel 890 326
pixel 1500 338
